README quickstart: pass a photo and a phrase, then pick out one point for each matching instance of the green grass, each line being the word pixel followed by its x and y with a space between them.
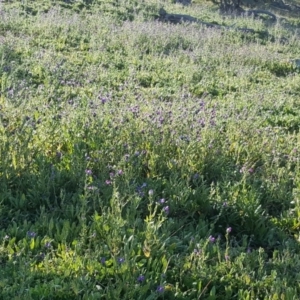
pixel 142 160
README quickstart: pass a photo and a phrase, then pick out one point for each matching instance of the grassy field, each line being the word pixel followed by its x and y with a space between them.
pixel 145 160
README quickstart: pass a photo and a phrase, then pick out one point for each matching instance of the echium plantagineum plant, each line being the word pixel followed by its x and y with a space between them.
pixel 145 160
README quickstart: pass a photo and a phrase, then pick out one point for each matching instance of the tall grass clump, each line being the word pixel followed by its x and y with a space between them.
pixel 145 160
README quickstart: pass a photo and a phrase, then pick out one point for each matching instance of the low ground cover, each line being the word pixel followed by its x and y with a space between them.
pixel 145 160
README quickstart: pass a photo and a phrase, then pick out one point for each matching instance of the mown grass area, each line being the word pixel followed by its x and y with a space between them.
pixel 144 160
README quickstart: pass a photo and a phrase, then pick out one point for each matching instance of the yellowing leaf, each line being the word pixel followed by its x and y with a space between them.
pixel 32 244
pixel 146 250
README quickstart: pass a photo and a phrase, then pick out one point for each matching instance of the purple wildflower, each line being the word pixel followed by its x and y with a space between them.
pixel 197 251
pixel 48 244
pixel 160 289
pixel 92 188
pixel 242 170
pixel 162 201
pixel 88 172
pixel 31 234
pixel 140 193
pixel 141 278
pixel 228 230
pixel 108 182
pixel 41 256
pixel 251 170
pixel 211 239
pixel 121 260
pixel 196 176
pixel 103 260
pixel 166 209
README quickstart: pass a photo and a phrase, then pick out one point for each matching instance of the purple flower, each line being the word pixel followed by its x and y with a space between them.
pixel 41 256
pixel 141 278
pixel 197 251
pixel 31 234
pixel 140 193
pixel 242 170
pixel 88 172
pixel 160 289
pixel 103 260
pixel 196 176
pixel 228 230
pixel 120 172
pixel 162 201
pixel 121 260
pixel 166 209
pixel 108 182
pixel 92 188
pixel 48 244
pixel 251 170
pixel 211 239
pixel 111 175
